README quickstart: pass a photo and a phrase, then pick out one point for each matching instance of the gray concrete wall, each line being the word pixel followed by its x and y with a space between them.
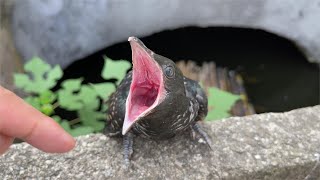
pixel 61 31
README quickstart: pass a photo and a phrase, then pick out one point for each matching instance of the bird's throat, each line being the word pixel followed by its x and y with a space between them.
pixel 146 90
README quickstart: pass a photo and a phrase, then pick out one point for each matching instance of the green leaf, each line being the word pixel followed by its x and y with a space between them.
pixel 47 97
pixel 75 97
pixel 72 84
pixel 21 80
pixel 66 126
pixel 55 73
pixel 92 118
pixel 33 101
pixel 115 69
pixel 78 131
pixel 68 101
pixel 104 90
pixel 37 67
pixel 220 103
pixel 67 96
pixel 83 99
pixel 104 107
pixel 89 97
pixel 47 109
pixel 81 130
pixel 41 78
pixel 216 115
pixel 56 118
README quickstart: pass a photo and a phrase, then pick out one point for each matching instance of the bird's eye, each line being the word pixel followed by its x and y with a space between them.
pixel 169 71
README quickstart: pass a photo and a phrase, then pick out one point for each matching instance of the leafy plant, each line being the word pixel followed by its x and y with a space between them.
pixel 115 69
pixel 219 103
pixel 73 96
pixel 86 100
pixel 42 77
pixel 80 130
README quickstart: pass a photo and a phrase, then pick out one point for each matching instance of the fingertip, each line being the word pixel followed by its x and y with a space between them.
pixel 50 137
pixel 67 143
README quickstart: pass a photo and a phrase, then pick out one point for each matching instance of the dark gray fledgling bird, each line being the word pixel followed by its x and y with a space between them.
pixel 154 100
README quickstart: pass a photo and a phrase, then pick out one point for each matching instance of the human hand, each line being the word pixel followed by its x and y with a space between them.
pixel 20 120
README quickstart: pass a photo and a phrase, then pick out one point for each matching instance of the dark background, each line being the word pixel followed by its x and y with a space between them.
pixel 277 75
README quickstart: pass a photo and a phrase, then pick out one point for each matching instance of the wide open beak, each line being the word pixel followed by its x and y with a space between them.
pixel 146 90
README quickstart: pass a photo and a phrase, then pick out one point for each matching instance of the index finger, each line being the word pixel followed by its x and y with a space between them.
pixel 19 119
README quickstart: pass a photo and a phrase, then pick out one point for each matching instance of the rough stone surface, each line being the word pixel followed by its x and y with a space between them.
pixel 267 146
pixel 61 31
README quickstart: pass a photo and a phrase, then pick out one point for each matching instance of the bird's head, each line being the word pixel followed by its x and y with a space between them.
pixel 155 79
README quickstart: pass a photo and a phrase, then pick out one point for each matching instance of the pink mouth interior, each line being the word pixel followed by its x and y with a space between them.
pixel 145 86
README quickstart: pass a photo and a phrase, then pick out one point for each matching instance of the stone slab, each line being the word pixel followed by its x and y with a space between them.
pixel 266 146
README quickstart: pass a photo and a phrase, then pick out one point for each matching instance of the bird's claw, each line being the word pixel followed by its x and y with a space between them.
pixel 196 128
pixel 193 134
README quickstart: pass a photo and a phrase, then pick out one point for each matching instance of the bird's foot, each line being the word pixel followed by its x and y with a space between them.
pixel 197 129
pixel 127 148
pixel 193 133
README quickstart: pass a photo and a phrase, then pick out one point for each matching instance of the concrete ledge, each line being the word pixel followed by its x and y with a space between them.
pixel 266 146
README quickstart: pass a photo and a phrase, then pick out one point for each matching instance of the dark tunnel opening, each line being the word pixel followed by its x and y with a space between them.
pixel 277 76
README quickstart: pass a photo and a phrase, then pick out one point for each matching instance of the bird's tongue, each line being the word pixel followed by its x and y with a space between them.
pixel 146 86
